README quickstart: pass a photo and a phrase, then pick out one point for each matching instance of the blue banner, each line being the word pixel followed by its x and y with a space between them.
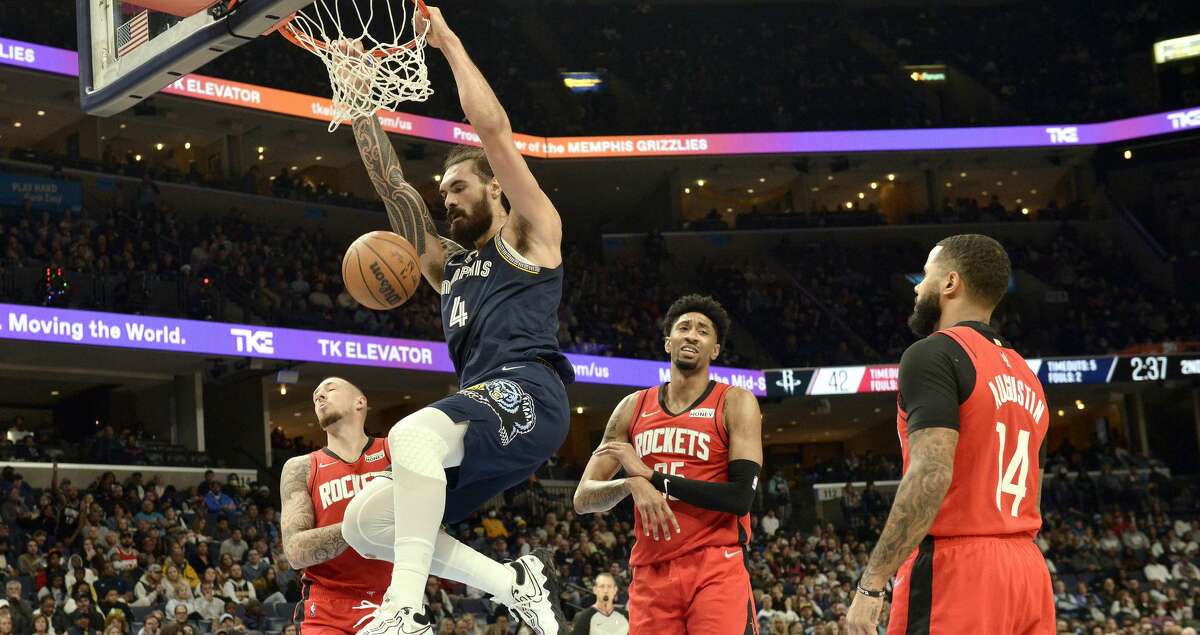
pixel 1080 370
pixel 45 194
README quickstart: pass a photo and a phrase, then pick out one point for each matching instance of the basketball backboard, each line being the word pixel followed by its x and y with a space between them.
pixel 131 49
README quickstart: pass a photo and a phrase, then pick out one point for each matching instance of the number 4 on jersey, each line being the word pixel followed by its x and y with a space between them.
pixel 1012 478
pixel 458 313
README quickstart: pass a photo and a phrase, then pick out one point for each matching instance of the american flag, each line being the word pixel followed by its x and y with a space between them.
pixel 133 33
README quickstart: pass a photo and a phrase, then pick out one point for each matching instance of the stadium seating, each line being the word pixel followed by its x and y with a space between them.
pixel 1103 533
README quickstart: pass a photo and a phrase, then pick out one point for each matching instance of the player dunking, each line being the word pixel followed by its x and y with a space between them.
pixel 692 450
pixel 972 417
pixel 315 490
pixel 500 281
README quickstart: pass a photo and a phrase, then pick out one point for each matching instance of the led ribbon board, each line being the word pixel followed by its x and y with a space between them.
pixel 53 60
pixel 68 326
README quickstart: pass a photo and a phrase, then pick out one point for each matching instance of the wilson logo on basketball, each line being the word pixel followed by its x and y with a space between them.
pixel 381 270
pixel 385 287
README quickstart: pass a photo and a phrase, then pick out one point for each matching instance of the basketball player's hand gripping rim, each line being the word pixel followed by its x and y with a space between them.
pixel 439 32
pixel 356 64
pixel 863 616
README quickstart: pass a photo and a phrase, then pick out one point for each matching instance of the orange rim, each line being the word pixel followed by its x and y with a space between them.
pixel 307 43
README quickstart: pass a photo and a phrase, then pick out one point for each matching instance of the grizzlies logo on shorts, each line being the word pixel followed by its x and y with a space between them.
pixel 511 404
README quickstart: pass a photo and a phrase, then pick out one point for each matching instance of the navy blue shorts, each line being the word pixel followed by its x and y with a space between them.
pixel 518 416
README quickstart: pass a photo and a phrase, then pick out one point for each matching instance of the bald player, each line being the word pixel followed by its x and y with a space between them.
pixel 315 489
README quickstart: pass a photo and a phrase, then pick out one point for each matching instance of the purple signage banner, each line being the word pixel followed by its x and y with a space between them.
pixel 68 326
pixel 39 58
pixel 54 60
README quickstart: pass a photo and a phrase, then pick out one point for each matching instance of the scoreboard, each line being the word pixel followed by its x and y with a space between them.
pixel 1114 369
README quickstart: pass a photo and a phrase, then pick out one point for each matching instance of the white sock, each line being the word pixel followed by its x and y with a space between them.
pixel 455 561
pixel 419 496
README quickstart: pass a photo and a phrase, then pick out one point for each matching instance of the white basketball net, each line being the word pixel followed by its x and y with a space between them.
pixel 366 74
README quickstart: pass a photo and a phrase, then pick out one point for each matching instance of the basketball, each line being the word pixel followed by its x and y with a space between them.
pixel 381 270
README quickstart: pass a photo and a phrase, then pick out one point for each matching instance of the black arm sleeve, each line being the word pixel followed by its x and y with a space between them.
pixel 734 497
pixel 936 377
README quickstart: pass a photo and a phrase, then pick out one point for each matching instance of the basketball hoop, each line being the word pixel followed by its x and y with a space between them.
pixel 367 73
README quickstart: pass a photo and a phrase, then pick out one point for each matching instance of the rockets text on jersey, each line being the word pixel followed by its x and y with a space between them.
pixel 692 444
pixel 332 484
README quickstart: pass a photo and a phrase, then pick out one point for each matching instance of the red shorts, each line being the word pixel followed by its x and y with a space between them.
pixel 332 613
pixel 981 585
pixel 703 592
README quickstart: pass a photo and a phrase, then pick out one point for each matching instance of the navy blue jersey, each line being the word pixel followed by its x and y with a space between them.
pixel 497 308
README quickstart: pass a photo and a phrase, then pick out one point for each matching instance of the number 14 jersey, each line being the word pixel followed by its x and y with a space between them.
pixel 1002 421
pixel 692 444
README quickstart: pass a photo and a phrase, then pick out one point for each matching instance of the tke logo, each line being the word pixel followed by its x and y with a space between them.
pixel 1189 119
pixel 261 342
pixel 1069 134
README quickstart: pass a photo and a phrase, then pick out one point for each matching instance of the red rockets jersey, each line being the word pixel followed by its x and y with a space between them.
pixel 332 482
pixel 1002 423
pixel 691 444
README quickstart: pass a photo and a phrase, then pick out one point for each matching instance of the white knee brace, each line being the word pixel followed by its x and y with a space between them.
pixel 417 449
pixel 369 524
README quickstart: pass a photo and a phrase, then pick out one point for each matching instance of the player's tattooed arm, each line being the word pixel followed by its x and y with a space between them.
pixel 918 500
pixel 304 543
pixel 406 210
pixel 597 492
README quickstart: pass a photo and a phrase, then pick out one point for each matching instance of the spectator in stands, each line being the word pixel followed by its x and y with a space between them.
pixel 56 588
pixel 113 602
pixel 229 624
pixel 218 502
pixel 234 546
pixel 148 513
pixel 124 557
pixel 6 565
pixel 32 561
pixel 82 617
pixel 769 523
pixel 237 587
pixel 180 602
pixel 255 566
pixel 17 606
pixel 267 587
pixel 150 590
pixel 208 606
pixel 107 448
pixel 174 580
pixel 46 607
pixel 493 526
pixel 41 625
pixel 150 627
pixel 111 579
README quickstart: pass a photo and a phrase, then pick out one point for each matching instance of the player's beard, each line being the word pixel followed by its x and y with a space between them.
pixel 925 316
pixel 473 225
pixel 329 418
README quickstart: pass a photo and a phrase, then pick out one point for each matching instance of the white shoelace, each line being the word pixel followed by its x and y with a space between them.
pixel 363 605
